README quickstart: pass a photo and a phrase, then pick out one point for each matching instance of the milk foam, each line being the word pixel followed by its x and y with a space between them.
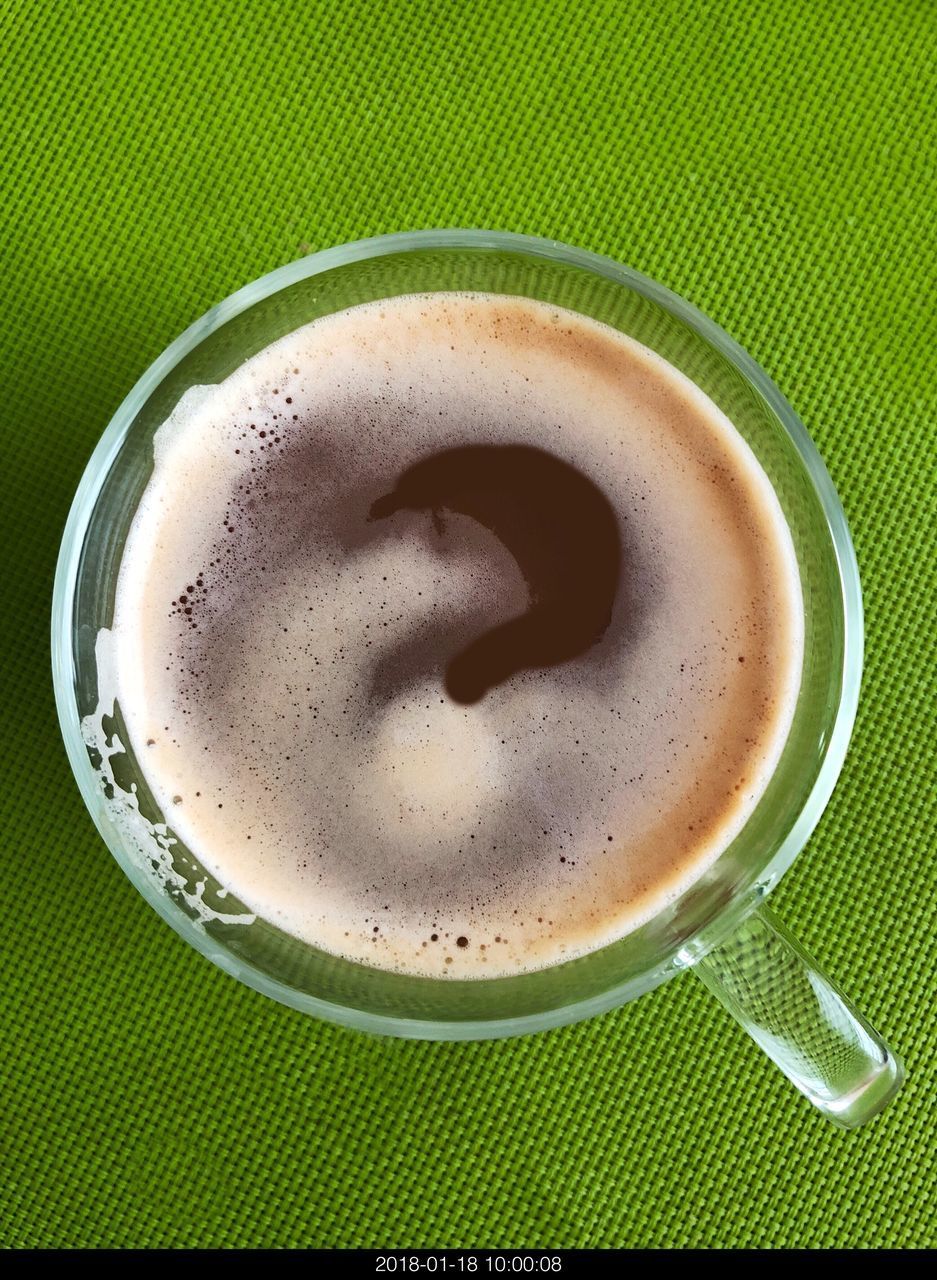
pixel 279 657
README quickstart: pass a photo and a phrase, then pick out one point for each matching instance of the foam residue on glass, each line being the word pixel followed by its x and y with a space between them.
pixel 149 843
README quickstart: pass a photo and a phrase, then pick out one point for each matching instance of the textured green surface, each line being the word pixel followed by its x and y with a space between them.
pixel 775 163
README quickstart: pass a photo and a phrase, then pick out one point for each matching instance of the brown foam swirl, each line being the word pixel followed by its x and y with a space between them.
pixel 558 526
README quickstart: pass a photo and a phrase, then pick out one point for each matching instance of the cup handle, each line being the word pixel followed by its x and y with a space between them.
pixel 805 1025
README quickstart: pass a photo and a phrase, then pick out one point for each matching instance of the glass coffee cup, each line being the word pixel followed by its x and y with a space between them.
pixel 720 927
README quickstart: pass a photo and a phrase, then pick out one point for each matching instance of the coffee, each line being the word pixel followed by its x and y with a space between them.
pixel 456 634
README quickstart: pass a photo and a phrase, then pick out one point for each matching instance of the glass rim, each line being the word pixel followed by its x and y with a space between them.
pixel 107 448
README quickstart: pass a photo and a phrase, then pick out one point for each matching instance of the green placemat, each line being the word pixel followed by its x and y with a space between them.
pixel 775 163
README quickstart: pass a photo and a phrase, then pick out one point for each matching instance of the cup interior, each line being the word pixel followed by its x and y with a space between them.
pixel 141 837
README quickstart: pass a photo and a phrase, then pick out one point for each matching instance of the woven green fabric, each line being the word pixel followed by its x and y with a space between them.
pixel 772 161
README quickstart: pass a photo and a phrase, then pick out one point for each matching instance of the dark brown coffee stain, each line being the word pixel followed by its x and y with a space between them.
pixel 559 527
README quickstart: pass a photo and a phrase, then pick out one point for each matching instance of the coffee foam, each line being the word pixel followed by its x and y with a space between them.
pixel 280 656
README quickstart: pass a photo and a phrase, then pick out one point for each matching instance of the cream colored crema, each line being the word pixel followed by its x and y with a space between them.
pixel 280 657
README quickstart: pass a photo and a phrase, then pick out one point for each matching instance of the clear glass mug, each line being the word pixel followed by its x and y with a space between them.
pixel 719 928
